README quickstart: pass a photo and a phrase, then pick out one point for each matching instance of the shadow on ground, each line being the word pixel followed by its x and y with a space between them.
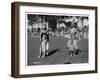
pixel 52 52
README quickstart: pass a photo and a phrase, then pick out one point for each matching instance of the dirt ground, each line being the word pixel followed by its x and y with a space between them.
pixel 58 53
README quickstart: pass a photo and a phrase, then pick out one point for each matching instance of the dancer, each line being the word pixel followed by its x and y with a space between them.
pixel 44 45
pixel 44 39
pixel 73 41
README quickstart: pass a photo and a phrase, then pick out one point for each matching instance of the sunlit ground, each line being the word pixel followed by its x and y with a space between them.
pixel 58 53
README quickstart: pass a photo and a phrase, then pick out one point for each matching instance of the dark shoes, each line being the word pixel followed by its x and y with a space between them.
pixel 75 52
pixel 71 53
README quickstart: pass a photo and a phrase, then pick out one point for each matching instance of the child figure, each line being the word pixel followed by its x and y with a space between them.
pixel 44 45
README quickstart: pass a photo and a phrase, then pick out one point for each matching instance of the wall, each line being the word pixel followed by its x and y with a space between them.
pixel 5 40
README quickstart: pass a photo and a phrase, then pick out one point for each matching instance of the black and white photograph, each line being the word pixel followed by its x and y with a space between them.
pixel 57 39
pixel 52 39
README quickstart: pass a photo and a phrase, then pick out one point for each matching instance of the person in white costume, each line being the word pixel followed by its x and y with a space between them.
pixel 74 39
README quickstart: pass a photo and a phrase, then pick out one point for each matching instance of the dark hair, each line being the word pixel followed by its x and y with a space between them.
pixel 46 36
